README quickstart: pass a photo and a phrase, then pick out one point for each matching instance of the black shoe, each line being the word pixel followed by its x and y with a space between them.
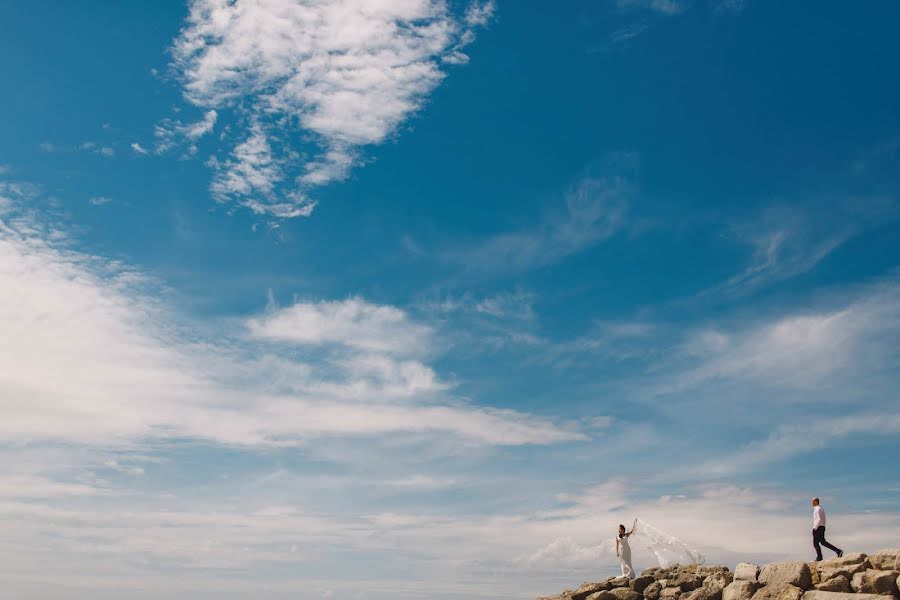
pixel 840 553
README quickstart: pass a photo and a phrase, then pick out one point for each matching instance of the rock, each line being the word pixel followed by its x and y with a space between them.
pixel 587 589
pixel 639 584
pixel 652 591
pixel 704 593
pixel 688 582
pixel 747 572
pixel 848 559
pixel 875 582
pixel 718 581
pixel 653 572
pixel 739 589
pixel 618 582
pixel 779 591
pixel 886 560
pixel 794 573
pixel 601 595
pixel 707 570
pixel 818 595
pixel 848 566
pixel 625 594
pixel 564 596
pixel 670 593
pixel 840 583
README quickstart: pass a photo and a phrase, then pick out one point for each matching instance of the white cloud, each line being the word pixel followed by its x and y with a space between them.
pixel 353 322
pixel 99 200
pixel 517 304
pixel 784 243
pixel 809 349
pixel 139 149
pixel 172 133
pixel 341 75
pixel 95 362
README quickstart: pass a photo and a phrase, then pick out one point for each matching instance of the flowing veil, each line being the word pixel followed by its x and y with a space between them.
pixel 667 549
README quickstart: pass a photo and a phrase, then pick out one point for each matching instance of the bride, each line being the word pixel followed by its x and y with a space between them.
pixel 623 550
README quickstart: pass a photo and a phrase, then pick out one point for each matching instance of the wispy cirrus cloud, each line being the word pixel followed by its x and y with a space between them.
pixel 594 210
pixel 171 133
pixel 313 84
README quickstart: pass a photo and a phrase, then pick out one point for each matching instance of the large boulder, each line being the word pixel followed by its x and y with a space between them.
pixel 687 581
pixel 601 595
pixel 853 558
pixel 778 591
pixel 747 572
pixel 848 566
pixel 739 589
pixel 875 582
pixel 587 589
pixel 564 596
pixel 670 593
pixel 795 573
pixel 886 560
pixel 617 582
pixel 652 591
pixel 847 571
pixel 625 594
pixel 639 584
pixel 703 593
pixel 819 595
pixel 840 583
pixel 718 581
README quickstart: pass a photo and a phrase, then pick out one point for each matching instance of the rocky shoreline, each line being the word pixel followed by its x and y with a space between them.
pixel 852 577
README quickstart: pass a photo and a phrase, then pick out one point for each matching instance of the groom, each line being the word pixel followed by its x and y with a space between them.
pixel 819 531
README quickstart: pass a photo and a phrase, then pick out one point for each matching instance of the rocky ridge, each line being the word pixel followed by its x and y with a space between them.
pixel 852 577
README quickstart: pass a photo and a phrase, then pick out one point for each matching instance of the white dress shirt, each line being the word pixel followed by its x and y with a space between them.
pixel 818 516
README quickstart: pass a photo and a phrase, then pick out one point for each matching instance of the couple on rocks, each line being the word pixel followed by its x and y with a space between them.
pixel 623 548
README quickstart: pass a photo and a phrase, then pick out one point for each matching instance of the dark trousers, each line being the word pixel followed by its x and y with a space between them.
pixel 819 538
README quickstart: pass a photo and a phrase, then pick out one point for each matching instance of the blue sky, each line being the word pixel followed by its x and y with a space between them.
pixel 395 298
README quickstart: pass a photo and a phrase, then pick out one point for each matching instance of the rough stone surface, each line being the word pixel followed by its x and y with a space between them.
pixel 670 593
pixel 718 581
pixel 704 593
pixel 795 573
pixel 817 595
pixel 587 589
pixel 652 591
pixel 625 594
pixel 847 571
pixel 875 582
pixel 601 595
pixel 747 572
pixel 839 583
pixel 639 584
pixel 886 560
pixel 618 582
pixel 688 582
pixel 854 558
pixel 779 591
pixel 739 589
